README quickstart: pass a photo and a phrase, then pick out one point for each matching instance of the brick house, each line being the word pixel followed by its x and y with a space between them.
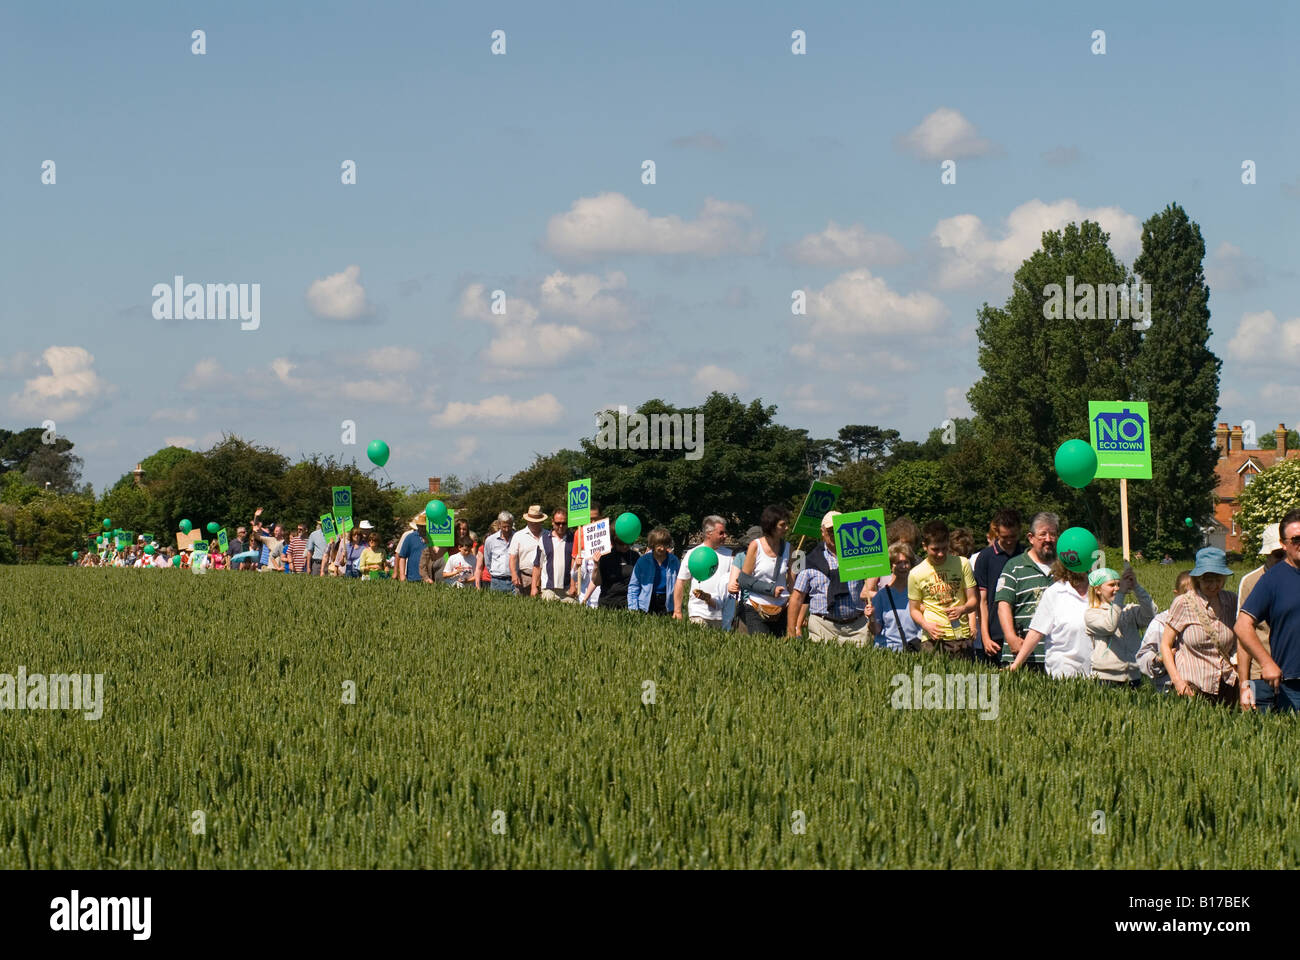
pixel 1236 468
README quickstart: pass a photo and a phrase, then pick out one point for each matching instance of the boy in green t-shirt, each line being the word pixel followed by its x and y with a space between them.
pixel 941 594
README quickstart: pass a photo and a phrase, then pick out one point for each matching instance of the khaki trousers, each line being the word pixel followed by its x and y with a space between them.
pixel 821 630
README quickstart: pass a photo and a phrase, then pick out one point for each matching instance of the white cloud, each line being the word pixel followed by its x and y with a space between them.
pixel 1231 269
pixel 969 255
pixel 853 246
pixel 70 388
pixel 610 224
pixel 465 447
pixel 944 135
pixel 207 373
pixel 391 360
pixel 500 410
pixel 474 305
pixel 815 398
pixel 713 377
pixel 340 296
pixel 1262 339
pixel 178 441
pixel 188 415
pixel 859 304
pixel 283 369
pixel 585 296
pixel 539 345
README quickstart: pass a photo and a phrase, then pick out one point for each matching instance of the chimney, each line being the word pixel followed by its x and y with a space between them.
pixel 1280 433
pixel 1234 440
pixel 1221 440
pixel 138 473
pixel 435 483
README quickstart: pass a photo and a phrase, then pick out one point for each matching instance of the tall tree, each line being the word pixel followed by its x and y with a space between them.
pixel 1042 367
pixel 1178 375
pixel 866 442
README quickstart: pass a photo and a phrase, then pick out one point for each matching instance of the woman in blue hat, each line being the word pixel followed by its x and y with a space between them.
pixel 1200 623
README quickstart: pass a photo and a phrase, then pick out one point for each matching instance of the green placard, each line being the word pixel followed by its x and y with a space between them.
pixel 343 525
pixel 1120 432
pixel 223 542
pixel 821 498
pixel 148 537
pixel 860 545
pixel 579 502
pixel 342 501
pixel 120 541
pixel 327 528
pixel 443 534
pixel 200 546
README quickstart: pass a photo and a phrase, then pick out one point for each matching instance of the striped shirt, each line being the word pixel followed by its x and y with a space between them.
pixel 1021 584
pixel 297 550
pixel 1203 637
pixel 813 584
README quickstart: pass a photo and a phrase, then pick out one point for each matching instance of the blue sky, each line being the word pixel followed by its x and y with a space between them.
pixel 522 173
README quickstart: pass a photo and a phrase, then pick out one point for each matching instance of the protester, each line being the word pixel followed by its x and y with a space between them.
pixel 1114 627
pixel 459 568
pixel 352 555
pixel 941 594
pixel 1148 655
pixel 1201 621
pixel 768 557
pixel 372 557
pixel 1058 622
pixel 895 628
pixel 1273 553
pixel 554 580
pixel 613 575
pixel 481 575
pixel 316 552
pixel 496 554
pixel 836 610
pixel 583 566
pixel 298 549
pixel 1022 583
pixel 707 602
pixel 239 545
pixel 1004 543
pixel 411 551
pixel 904 530
pixel 1275 600
pixel 651 587
pixel 523 551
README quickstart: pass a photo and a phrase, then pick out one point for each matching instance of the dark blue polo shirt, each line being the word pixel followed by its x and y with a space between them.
pixel 988 567
pixel 1276 601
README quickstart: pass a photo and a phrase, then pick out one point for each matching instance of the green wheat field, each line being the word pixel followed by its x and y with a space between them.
pixel 223 703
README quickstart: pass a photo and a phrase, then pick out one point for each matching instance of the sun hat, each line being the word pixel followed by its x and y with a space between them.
pixel 828 521
pixel 534 514
pixel 365 525
pixel 1272 539
pixel 1211 560
pixel 1102 575
pixel 419 520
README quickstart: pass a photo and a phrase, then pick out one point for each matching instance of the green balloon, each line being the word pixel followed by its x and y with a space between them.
pixel 213 527
pixel 74 554
pixel 1187 520
pixel 186 526
pixel 176 561
pixel 1076 463
pixel 148 549
pixel 108 524
pixel 703 563
pixel 1075 548
pixel 627 527
pixel 377 452
pixel 100 539
pixel 435 512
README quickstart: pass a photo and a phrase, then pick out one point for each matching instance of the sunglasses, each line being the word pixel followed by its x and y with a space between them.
pixel 1294 541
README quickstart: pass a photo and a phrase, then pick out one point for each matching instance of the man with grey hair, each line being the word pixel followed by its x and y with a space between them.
pixel 708 601
pixel 1022 582
pixel 496 554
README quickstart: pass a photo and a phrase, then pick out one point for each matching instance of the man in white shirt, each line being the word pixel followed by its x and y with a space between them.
pixel 523 551
pixel 496 553
pixel 554 580
pixel 708 600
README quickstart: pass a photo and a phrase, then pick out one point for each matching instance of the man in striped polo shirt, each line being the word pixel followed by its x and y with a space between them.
pixel 1023 580
pixel 298 549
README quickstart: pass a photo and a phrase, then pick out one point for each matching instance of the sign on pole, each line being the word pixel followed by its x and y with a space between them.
pixel 595 539
pixel 579 502
pixel 342 501
pixel 821 498
pixel 327 528
pixel 1120 432
pixel 443 534
pixel 860 544
pixel 223 542
pixel 343 524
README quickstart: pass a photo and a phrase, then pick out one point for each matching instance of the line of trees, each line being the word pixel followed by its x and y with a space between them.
pixel 1039 372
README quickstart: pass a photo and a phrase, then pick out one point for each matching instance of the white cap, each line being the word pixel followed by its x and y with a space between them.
pixel 1272 539
pixel 365 525
pixel 828 521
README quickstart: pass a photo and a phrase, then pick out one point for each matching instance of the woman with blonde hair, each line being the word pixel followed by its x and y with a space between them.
pixel 1115 627
pixel 1201 621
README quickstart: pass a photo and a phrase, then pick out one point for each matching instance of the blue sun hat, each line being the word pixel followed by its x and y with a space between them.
pixel 1211 560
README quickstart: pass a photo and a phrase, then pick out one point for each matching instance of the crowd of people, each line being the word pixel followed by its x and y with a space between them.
pixel 1012 603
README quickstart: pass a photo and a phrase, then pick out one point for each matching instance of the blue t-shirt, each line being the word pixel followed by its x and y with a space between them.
pixel 1276 601
pixel 887 635
pixel 265 559
pixel 412 550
